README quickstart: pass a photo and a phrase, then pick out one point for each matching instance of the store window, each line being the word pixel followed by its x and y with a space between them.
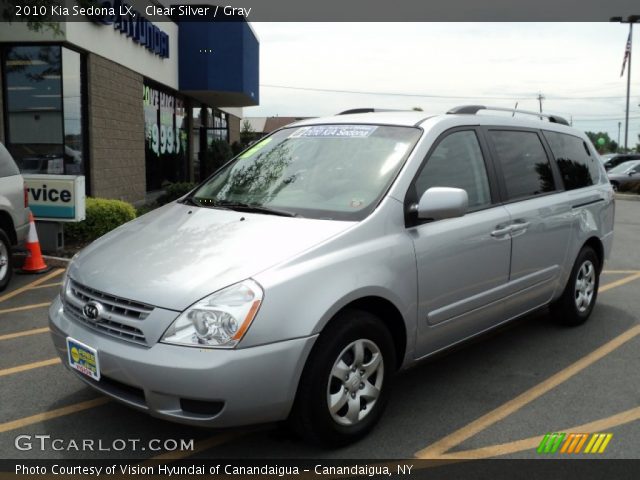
pixel 165 137
pixel 44 108
pixel 220 127
pixel 210 129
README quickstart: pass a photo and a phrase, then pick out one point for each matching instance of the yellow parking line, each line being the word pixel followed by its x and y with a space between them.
pixel 29 366
pixel 25 307
pixel 437 449
pixel 618 283
pixel 23 333
pixel 58 412
pixel 46 285
pixel 24 288
pixel 530 443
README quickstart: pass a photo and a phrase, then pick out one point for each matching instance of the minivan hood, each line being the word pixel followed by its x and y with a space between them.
pixel 178 254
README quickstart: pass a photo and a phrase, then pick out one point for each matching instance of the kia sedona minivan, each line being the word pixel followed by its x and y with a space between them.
pixel 301 276
pixel 14 213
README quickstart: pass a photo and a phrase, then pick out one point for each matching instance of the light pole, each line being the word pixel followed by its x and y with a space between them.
pixel 631 19
pixel 619 124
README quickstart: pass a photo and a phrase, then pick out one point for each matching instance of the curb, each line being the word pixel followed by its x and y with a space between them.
pixel 627 196
pixel 55 262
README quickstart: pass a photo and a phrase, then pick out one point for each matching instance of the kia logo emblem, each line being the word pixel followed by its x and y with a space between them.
pixel 92 311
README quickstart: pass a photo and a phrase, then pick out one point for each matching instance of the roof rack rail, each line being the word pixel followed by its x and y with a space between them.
pixel 473 109
pixel 369 110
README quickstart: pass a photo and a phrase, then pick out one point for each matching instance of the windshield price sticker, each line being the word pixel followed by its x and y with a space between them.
pixel 351 131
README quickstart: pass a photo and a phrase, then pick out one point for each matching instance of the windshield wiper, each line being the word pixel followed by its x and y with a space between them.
pixel 254 208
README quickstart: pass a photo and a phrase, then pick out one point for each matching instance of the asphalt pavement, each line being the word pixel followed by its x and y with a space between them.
pixel 495 397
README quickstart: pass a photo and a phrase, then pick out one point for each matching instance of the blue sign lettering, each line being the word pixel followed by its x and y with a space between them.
pixel 131 23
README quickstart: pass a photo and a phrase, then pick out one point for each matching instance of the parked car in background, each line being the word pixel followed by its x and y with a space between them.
pixel 14 213
pixel 606 157
pixel 296 281
pixel 624 174
pixel 620 158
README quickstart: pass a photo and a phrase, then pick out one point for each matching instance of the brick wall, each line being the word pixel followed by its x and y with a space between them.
pixel 233 123
pixel 116 131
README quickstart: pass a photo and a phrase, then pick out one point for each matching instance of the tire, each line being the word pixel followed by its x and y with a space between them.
pixel 6 262
pixel 615 186
pixel 335 353
pixel 575 305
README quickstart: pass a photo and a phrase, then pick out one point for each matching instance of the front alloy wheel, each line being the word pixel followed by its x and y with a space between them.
pixel 355 382
pixel 345 383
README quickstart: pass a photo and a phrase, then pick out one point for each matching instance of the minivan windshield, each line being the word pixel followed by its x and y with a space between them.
pixel 337 172
pixel 624 167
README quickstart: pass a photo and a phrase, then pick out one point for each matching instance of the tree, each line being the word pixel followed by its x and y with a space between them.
pixel 35 23
pixel 602 142
pixel 217 154
pixel 247 133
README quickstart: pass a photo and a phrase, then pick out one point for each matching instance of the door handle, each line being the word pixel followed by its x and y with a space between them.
pixel 501 231
pixel 519 226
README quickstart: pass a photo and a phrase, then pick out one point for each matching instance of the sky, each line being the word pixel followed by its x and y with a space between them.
pixel 436 66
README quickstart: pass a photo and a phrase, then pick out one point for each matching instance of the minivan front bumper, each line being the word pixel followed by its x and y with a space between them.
pixel 195 386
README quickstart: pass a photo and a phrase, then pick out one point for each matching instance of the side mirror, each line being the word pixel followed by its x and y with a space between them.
pixel 438 203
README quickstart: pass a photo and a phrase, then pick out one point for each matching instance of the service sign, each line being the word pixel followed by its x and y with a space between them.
pixel 57 198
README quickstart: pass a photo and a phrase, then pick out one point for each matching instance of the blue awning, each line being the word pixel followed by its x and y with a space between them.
pixel 219 63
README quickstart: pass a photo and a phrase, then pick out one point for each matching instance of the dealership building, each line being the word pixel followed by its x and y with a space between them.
pixel 130 105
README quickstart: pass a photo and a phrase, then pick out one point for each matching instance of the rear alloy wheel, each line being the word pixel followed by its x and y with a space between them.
pixel 6 265
pixel 579 297
pixel 345 384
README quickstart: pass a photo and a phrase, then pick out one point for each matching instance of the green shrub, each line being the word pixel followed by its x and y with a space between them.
pixel 174 191
pixel 102 216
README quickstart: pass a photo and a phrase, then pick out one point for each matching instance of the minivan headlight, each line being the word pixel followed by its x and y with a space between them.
pixel 219 320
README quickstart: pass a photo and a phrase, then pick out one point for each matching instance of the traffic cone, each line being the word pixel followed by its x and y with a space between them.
pixel 34 263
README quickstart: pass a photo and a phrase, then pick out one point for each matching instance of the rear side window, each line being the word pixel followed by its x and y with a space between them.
pixel 577 166
pixel 8 167
pixel 524 163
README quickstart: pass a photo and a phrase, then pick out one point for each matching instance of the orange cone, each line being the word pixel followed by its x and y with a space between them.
pixel 34 263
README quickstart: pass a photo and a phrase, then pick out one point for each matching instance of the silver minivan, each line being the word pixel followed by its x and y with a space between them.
pixel 301 276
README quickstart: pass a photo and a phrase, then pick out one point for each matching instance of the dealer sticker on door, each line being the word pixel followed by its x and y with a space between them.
pixel 83 358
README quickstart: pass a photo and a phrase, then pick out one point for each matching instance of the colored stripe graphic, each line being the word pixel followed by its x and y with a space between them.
pixel 567 442
pixel 572 443
pixel 581 442
pixel 598 443
pixel 551 442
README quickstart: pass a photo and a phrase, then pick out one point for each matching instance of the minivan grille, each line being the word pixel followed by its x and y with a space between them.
pixel 118 312
pixel 116 305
